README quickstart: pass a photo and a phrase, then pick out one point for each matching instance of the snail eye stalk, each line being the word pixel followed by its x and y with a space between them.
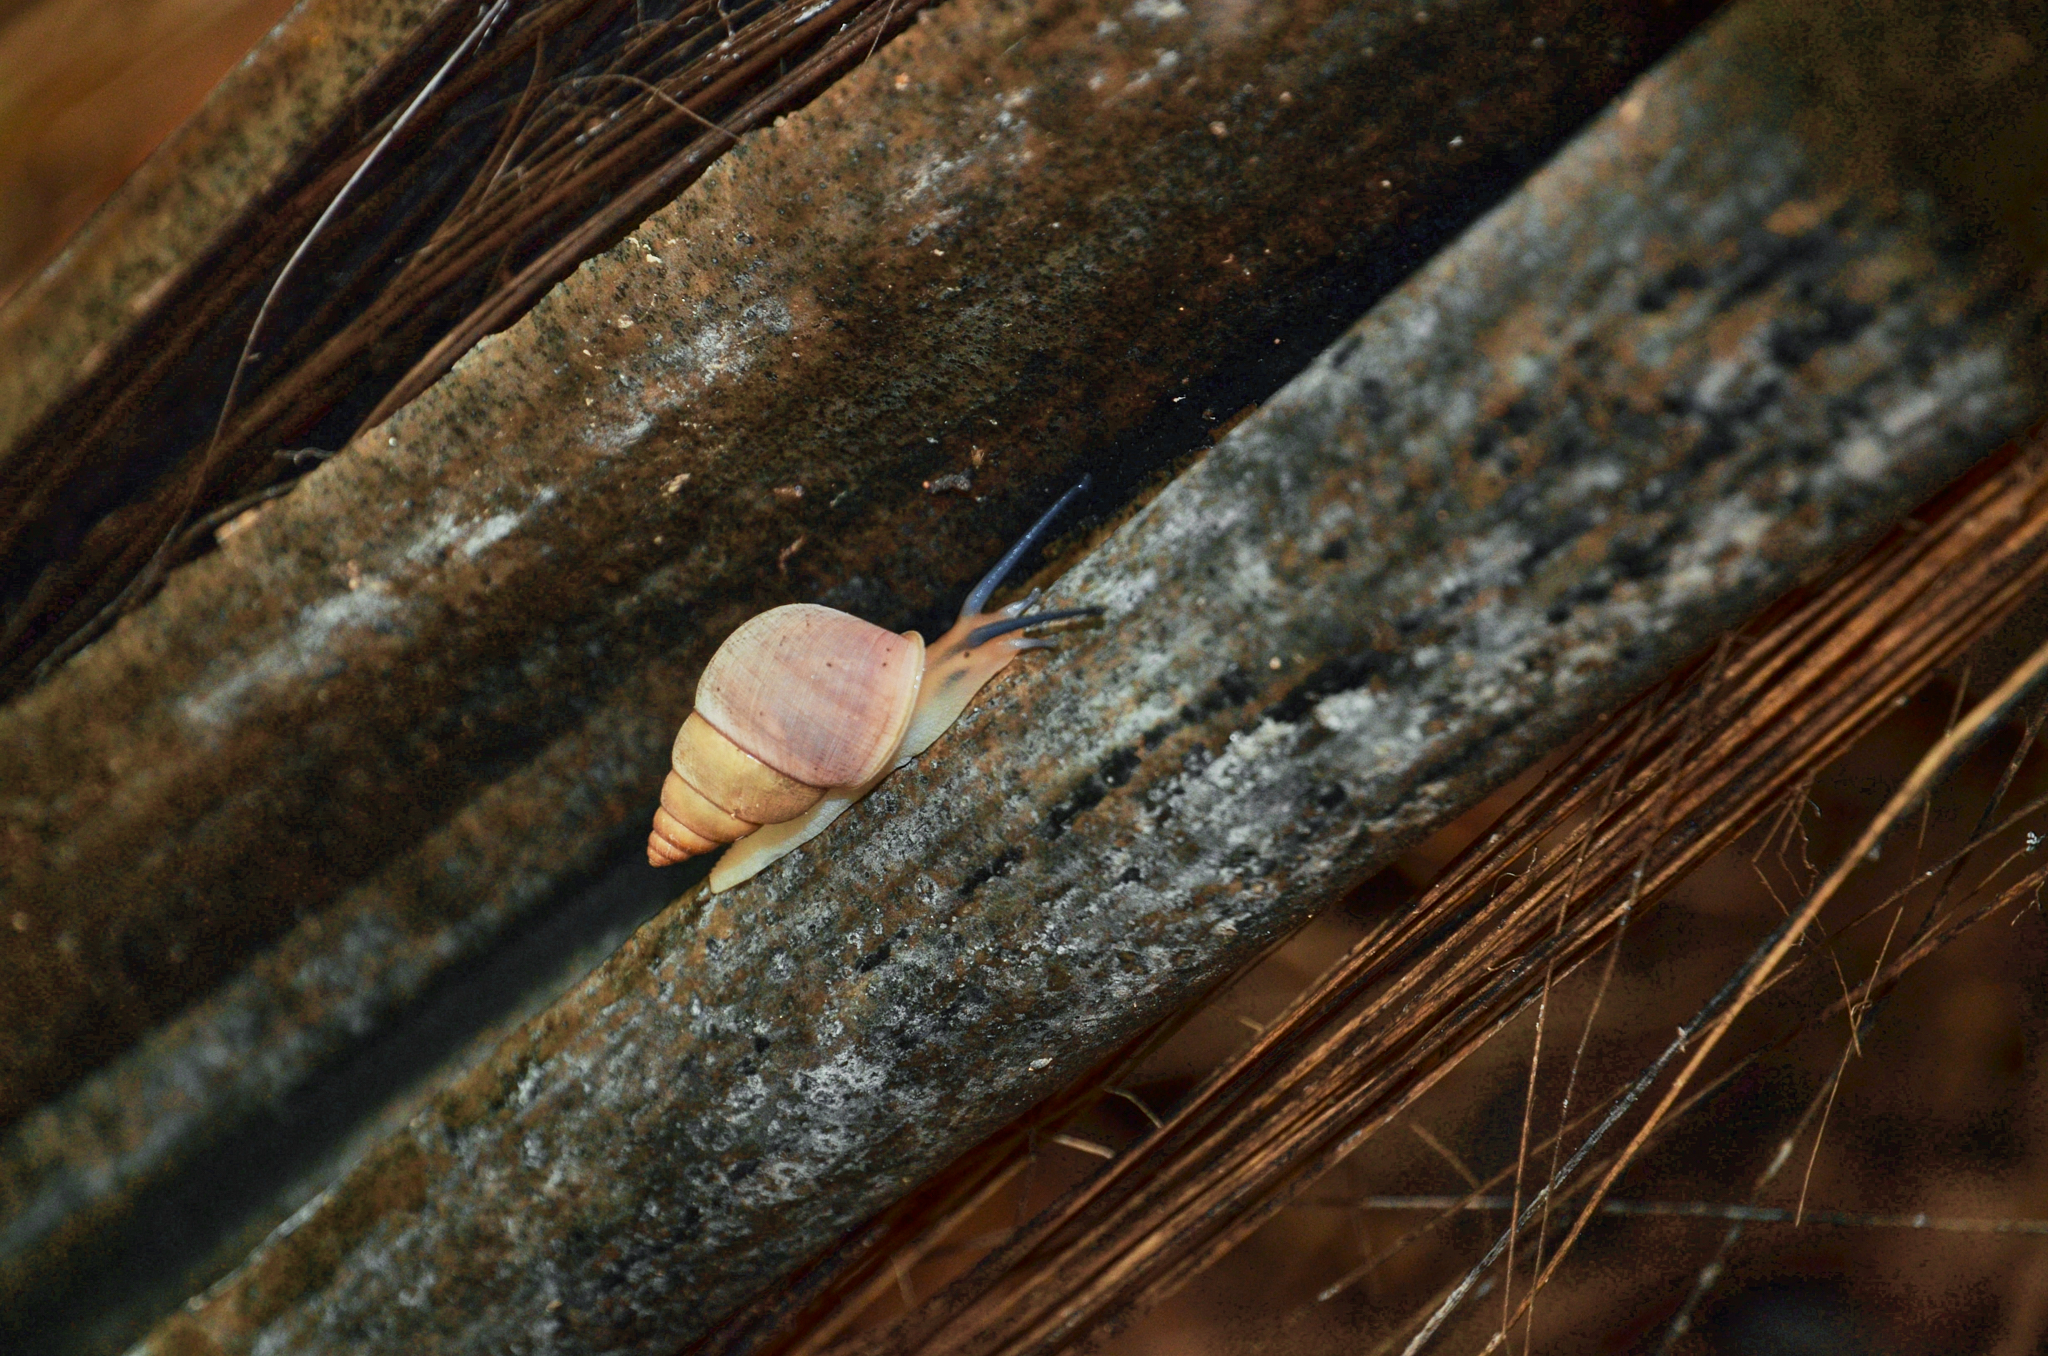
pixel 993 580
pixel 989 632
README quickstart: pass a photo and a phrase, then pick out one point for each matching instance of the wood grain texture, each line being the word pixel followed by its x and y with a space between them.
pixel 1599 429
pixel 385 730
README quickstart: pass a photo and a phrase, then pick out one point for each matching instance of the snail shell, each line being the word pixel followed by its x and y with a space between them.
pixel 805 708
pixel 799 700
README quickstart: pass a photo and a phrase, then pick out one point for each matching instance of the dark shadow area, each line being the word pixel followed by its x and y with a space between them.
pixel 179 1236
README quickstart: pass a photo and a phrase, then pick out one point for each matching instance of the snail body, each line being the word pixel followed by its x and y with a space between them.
pixel 805 709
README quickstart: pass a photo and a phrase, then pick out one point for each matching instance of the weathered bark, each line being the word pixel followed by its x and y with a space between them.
pixel 394 722
pixel 1711 346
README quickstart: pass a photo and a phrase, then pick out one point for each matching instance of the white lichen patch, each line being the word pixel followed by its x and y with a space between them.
pixel 930 175
pixel 617 438
pixel 467 535
pixel 1117 593
pixel 435 540
pixel 307 647
pixel 715 351
pixel 1246 750
pixel 1862 459
pixel 324 629
pixel 1594 479
pixel 1725 538
pixel 1913 410
pixel 1349 712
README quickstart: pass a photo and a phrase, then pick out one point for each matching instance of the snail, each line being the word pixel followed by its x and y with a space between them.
pixel 805 709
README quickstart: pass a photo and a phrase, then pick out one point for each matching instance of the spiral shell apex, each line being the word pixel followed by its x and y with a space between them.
pixel 799 700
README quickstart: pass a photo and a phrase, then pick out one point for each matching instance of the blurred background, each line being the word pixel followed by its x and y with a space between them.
pixel 87 89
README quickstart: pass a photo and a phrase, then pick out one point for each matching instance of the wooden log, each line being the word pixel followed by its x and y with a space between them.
pixel 378 740
pixel 1712 345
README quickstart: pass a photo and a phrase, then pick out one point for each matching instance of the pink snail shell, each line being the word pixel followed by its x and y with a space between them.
pixel 804 709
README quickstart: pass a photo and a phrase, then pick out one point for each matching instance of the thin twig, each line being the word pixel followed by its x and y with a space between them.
pixel 1748 1214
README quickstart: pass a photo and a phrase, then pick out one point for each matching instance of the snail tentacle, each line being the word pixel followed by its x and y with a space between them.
pixel 982 634
pixel 1022 605
pixel 993 580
